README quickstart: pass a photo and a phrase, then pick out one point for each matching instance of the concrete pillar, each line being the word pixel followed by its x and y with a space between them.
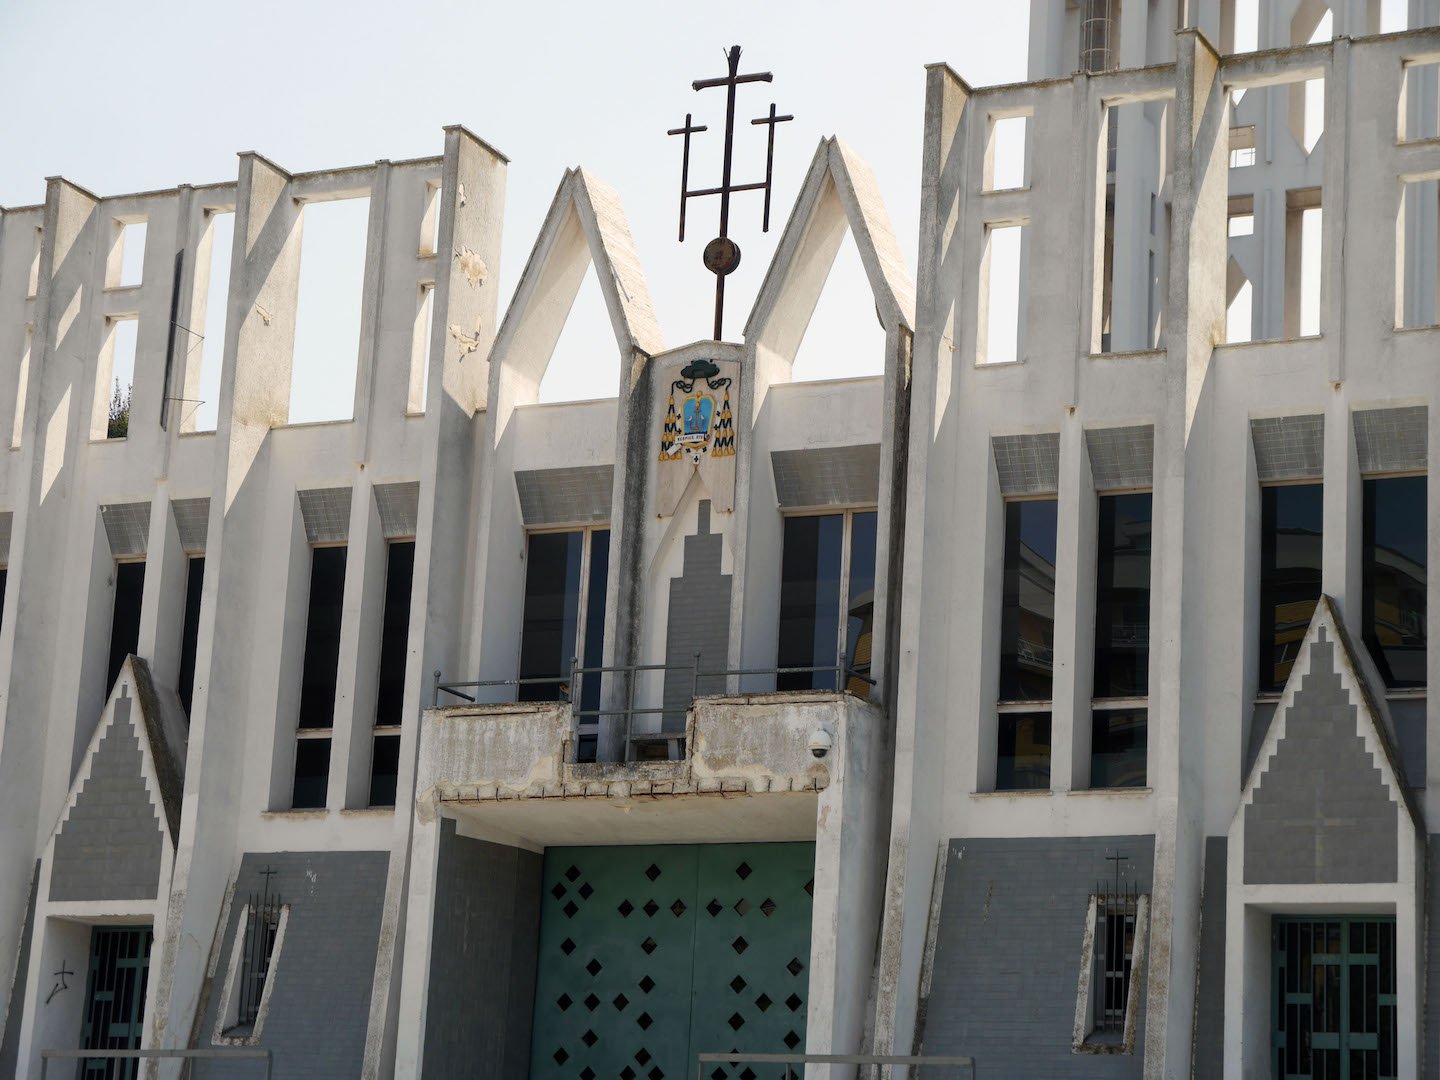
pixel 1074 599
pixel 359 672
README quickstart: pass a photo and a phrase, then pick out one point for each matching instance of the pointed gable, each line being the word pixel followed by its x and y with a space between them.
pixel 1324 803
pixel 839 194
pixel 125 802
pixel 585 224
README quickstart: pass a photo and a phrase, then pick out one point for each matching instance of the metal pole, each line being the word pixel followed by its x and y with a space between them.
pixel 435 697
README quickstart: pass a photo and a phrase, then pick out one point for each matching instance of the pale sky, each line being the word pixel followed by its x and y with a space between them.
pixel 144 95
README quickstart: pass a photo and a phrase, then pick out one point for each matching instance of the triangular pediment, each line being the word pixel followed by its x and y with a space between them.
pixel 1325 802
pixel 839 195
pixel 123 807
pixel 585 225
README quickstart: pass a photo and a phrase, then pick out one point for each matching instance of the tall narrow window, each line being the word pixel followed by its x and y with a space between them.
pixel 317 682
pixel 327 312
pixel 190 630
pixel 1396 561
pixel 1122 641
pixel 390 696
pixel 125 616
pixel 554 634
pixel 827 601
pixel 1291 534
pixel 203 413
pixel 1027 644
pixel 4 585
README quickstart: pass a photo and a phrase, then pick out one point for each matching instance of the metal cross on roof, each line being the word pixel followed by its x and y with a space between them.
pixel 722 255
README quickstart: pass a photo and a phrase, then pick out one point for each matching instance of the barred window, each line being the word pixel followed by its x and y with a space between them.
pixel 1111 972
pixel 254 955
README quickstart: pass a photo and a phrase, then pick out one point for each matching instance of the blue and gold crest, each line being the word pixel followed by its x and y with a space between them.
pixel 695 429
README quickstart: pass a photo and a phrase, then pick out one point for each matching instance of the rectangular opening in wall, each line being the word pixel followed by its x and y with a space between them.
pixel 1291 540
pixel 1417 248
pixel 999 337
pixel 203 413
pixel 384 769
pixel 22 387
pixel 1307 113
pixel 390 692
pixel 1027 613
pixel 420 350
pixel 1117 747
pixel 430 221
pixel 125 616
pixel 322 637
pixel 1022 757
pixel 1419 101
pixel 117 379
pixel 1242 146
pixel 1122 640
pixel 566 573
pixel 1395 578
pixel 827 600
pixel 1244 253
pixel 1132 233
pixel 312 771
pixel 327 318
pixel 4 584
pixel 126 264
pixel 1303 254
pixel 1007 152
pixel 190 630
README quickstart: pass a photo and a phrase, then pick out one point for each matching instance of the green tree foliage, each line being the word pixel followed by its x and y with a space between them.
pixel 119 425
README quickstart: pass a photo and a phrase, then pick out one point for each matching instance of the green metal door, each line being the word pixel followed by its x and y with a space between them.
pixel 649 956
pixel 1333 1004
pixel 115 998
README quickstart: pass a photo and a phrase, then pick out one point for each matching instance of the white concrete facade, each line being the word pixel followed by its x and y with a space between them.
pixel 1128 276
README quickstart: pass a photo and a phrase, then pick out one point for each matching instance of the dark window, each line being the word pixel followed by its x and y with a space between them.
pixel 1122 597
pixel 1023 751
pixel 1117 748
pixel 395 633
pixel 1027 618
pixel 1395 563
pixel 312 773
pixel 322 638
pixel 384 770
pixel 860 624
pixel 190 629
pixel 594 654
pixel 390 694
pixel 125 617
pixel 1291 533
pixel 814 582
pixel 4 582
pixel 810 600
pixel 549 638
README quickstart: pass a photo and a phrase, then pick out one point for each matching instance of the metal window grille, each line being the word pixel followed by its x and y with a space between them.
pixel 1097 30
pixel 1115 918
pixel 261 928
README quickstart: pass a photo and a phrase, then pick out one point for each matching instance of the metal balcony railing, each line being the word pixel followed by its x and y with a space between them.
pixel 569 688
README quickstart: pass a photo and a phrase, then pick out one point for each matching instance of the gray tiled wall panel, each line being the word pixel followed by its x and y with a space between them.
pixel 1299 831
pixel 109 847
pixel 399 508
pixel 320 1005
pixel 1210 991
pixel 827 476
pixel 1392 440
pixel 1007 955
pixel 482 960
pixel 127 527
pixel 1289 447
pixel 7 521
pixel 577 496
pixel 327 515
pixel 1027 464
pixel 192 522
pixel 699 622
pixel 1122 457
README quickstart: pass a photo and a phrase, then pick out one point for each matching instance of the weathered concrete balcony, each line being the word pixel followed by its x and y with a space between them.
pixel 508 771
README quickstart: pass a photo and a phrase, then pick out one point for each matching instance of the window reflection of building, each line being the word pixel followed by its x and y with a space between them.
pixel 1291 541
pixel 1395 538
pixel 814 591
pixel 1027 643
